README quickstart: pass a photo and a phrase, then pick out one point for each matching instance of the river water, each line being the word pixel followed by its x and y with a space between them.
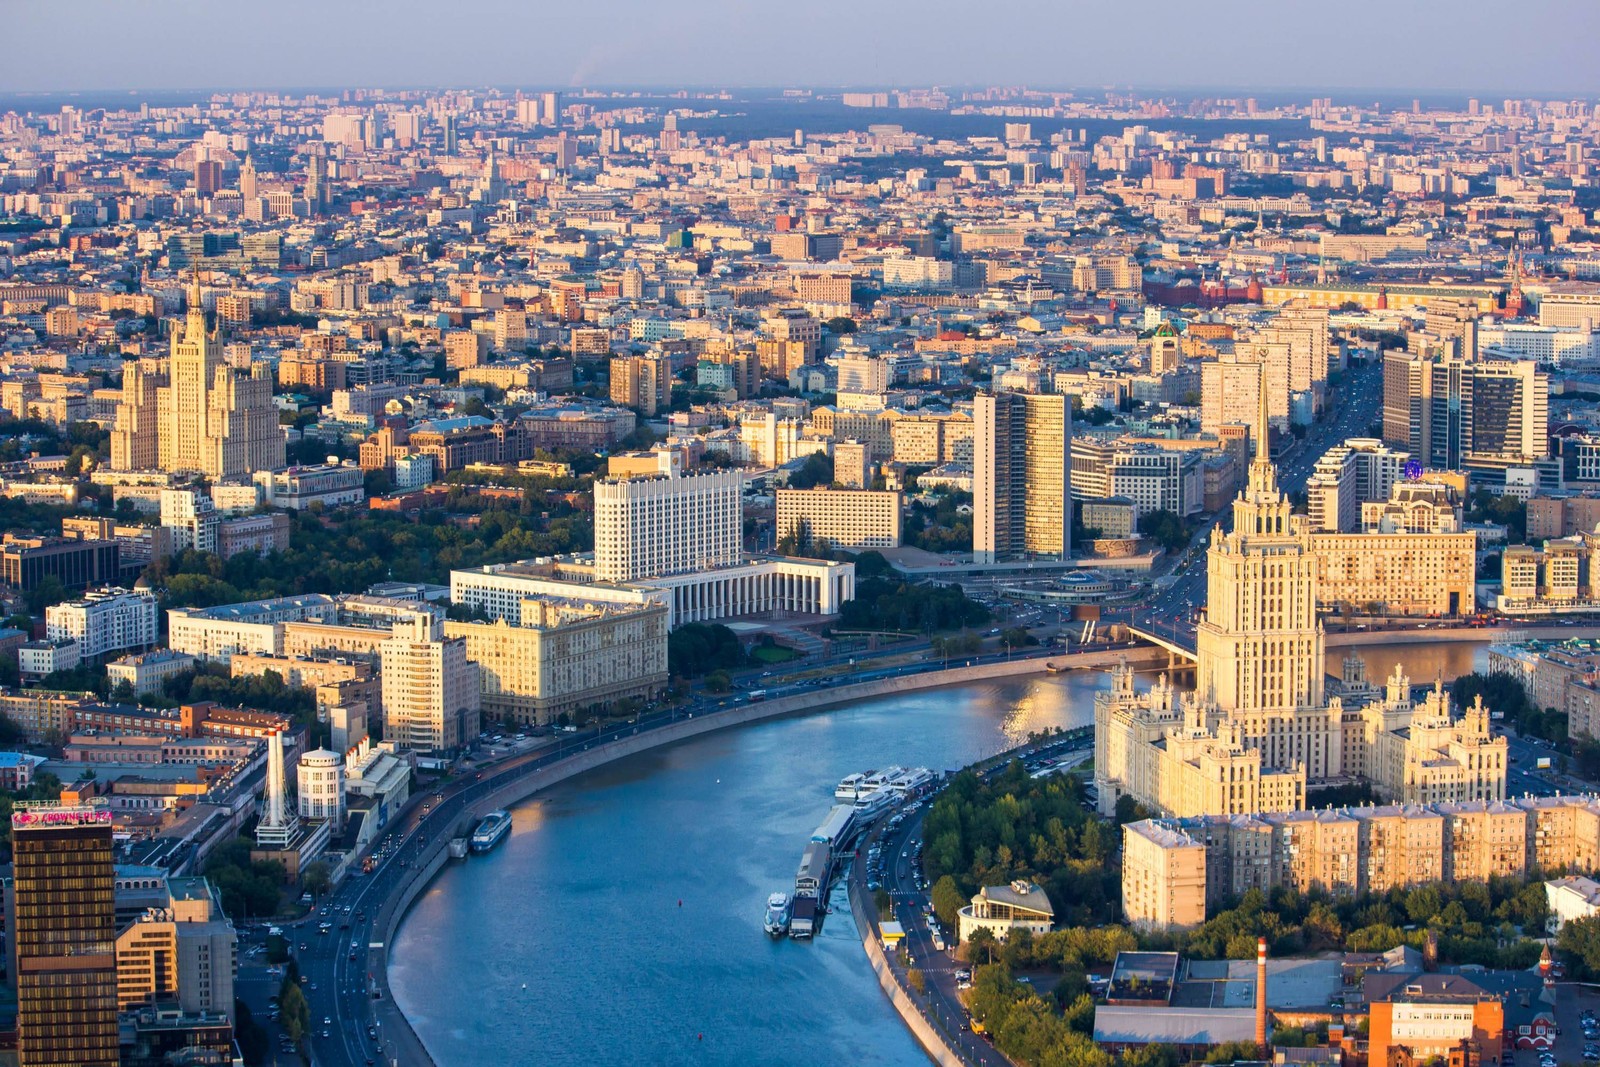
pixel 620 921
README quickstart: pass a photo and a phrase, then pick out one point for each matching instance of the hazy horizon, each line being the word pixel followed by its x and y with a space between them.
pixel 1468 47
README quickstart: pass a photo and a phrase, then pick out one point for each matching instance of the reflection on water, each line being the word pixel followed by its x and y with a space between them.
pixel 1422 663
pixel 629 901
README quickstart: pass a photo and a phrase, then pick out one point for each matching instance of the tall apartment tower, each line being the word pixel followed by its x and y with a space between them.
pixel 65 936
pixel 206 416
pixel 1022 477
pixel 1453 412
pixel 674 524
pixel 317 183
pixel 136 434
pixel 432 696
pixel 643 382
pixel 1510 410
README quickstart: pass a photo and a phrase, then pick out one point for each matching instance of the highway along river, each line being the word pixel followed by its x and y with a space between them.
pixel 581 903
pixel 620 922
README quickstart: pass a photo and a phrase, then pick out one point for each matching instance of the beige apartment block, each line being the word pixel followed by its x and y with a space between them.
pixel 847 518
pixel 567 655
pixel 1174 871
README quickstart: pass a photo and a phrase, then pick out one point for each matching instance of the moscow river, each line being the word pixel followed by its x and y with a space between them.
pixel 620 922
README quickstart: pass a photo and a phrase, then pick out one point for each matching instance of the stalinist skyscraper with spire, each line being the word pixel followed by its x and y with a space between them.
pixel 1257 728
pixel 193 412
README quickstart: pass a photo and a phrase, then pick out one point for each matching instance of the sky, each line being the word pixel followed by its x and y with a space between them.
pixel 1467 46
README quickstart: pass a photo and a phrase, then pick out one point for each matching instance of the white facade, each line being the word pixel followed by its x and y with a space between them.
pixel 299 487
pixel 109 620
pixel 1572 897
pixel 320 782
pixel 1362 470
pixel 646 527
pixel 149 672
pixel 39 658
pixel 432 695
pixel 499 590
pixel 1545 344
pixel 849 518
pixel 255 626
pixel 412 472
pixel 192 517
pixel 800 586
pixel 918 272
pixel 1157 479
pixel 781 583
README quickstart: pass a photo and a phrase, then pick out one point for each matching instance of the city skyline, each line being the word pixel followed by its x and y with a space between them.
pixel 376 461
pixel 1369 46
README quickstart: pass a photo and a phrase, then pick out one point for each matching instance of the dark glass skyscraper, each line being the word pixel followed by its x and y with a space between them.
pixel 65 936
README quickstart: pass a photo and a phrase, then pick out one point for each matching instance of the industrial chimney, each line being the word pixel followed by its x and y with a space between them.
pixel 1261 997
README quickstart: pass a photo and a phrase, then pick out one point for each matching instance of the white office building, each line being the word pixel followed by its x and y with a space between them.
pixel 193 519
pixel 1363 470
pixel 672 524
pixel 1157 479
pixel 104 621
pixel 432 695
pixel 320 778
pixel 299 487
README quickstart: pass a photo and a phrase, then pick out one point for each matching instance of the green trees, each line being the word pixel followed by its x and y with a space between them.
pixel 1027 1028
pixel 317 878
pixel 886 604
pixel 1508 511
pixel 1579 942
pixel 1166 529
pixel 947 900
pixel 698 648
pixel 965 643
pixel 816 470
pixel 249 889
pixel 48 592
pixel 294 1014
pixel 942 525
pixel 1012 826
pixel 45 786
pixel 1017 637
pixel 1475 923
pixel 1503 693
pixel 342 550
pixel 1130 810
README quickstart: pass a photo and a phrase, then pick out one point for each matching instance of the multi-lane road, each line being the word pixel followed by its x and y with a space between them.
pixel 342 968
pixel 1170 612
pixel 351 1022
pixel 900 866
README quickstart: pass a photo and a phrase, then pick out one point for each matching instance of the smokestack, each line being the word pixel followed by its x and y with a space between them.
pixel 275 781
pixel 1261 996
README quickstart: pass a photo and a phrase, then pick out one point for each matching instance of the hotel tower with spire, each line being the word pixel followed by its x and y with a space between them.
pixel 1257 728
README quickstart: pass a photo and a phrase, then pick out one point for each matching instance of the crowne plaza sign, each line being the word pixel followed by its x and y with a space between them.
pixel 69 816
